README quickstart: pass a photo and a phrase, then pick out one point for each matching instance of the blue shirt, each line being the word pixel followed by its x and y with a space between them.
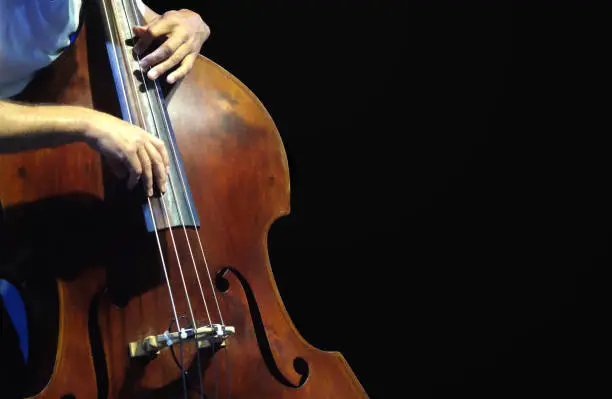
pixel 33 34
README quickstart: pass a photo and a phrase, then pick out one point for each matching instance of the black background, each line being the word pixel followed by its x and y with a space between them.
pixel 449 225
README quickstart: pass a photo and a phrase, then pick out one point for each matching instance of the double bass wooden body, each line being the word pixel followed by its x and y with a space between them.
pixel 75 244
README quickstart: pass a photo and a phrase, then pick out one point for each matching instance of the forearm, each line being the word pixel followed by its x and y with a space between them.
pixel 27 127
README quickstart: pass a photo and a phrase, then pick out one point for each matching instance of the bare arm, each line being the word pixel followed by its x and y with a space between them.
pixel 28 127
pixel 130 150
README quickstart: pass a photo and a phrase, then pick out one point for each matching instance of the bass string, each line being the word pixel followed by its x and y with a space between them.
pixel 184 188
pixel 176 201
pixel 187 296
pixel 175 161
pixel 165 214
pixel 191 212
pixel 165 209
pixel 165 269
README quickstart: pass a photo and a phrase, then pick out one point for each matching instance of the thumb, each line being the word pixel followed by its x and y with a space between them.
pixel 139 30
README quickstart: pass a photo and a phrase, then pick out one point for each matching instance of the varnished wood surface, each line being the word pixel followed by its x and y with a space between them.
pixel 237 170
pixel 43 244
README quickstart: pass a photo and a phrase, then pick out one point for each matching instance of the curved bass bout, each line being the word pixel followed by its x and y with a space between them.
pixel 53 200
pixel 238 174
pixel 236 168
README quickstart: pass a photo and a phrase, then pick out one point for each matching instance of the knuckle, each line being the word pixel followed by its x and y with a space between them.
pixel 186 12
pixel 205 27
pixel 175 59
pixel 185 68
pixel 131 148
pixel 155 156
pixel 161 147
pixel 183 35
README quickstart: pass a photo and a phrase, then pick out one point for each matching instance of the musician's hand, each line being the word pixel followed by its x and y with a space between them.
pixel 129 150
pixel 183 33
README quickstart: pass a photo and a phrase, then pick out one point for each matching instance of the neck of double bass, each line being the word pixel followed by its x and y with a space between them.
pixel 143 104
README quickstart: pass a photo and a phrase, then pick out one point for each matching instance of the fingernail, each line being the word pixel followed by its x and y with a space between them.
pixel 150 192
pixel 167 170
pixel 171 79
pixel 143 64
pixel 152 74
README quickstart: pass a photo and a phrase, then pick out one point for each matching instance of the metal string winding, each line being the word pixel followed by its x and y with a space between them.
pixel 123 90
pixel 176 200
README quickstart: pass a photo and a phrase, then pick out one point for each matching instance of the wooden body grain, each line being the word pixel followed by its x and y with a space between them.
pixel 43 193
pixel 237 170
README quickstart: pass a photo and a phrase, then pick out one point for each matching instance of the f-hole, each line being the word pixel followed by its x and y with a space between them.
pixel 300 365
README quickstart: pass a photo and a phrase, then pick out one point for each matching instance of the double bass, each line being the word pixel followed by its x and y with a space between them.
pixel 166 296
